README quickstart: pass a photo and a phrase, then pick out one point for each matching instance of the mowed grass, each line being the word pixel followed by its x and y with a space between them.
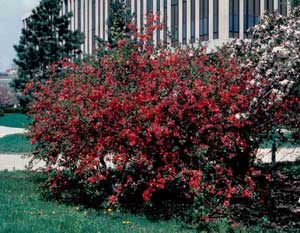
pixel 15 143
pixel 15 120
pixel 23 211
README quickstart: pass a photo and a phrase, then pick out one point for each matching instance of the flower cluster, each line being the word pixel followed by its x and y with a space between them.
pixel 273 56
pixel 142 121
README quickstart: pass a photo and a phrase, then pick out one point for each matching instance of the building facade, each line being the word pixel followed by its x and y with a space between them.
pixel 211 22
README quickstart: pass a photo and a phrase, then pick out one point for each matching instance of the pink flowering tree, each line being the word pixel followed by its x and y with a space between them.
pixel 7 99
pixel 273 56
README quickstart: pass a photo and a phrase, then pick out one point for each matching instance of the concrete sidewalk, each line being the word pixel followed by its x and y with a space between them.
pixel 282 154
pixel 4 131
pixel 13 162
pixel 19 162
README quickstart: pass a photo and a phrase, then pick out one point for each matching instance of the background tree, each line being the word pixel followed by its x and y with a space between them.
pixel 7 99
pixel 45 40
pixel 273 55
pixel 118 22
pixel 295 2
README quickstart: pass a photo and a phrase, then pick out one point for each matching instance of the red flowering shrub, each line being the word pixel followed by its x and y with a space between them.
pixel 144 124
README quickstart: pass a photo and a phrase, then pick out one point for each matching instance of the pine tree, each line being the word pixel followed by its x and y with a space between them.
pixel 295 3
pixel 45 40
pixel 118 20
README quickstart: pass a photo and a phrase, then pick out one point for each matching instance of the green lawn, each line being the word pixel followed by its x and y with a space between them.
pixel 22 211
pixel 15 143
pixel 16 120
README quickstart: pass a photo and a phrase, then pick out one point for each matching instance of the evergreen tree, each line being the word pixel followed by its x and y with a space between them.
pixel 295 3
pixel 118 20
pixel 45 40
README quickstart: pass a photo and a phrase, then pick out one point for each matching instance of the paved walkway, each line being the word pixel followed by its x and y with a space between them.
pixel 19 162
pixel 282 154
pixel 13 162
pixel 4 131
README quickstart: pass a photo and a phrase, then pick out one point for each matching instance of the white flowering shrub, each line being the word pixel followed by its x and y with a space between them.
pixel 273 55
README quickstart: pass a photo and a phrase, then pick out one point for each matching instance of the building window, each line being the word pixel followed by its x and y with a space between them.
pixel 216 19
pixel 283 7
pixel 135 12
pixel 193 18
pixel 234 18
pixel 93 25
pixel 79 15
pixel 269 5
pixel 251 14
pixel 66 6
pixel 174 22
pixel 184 21
pixel 150 6
pixel 158 32
pixel 165 22
pixel 142 15
pixel 203 20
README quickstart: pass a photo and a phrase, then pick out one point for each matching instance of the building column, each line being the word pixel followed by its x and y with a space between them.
pixel 169 21
pixel 276 5
pixel 63 7
pixel 82 18
pixel 90 28
pixel 262 8
pixel 211 20
pixel 70 10
pixel 106 21
pixel 197 22
pixel 101 19
pixel 180 20
pixel 97 18
pixel 144 14
pixel 86 26
pixel 241 18
pixel 154 10
pixel 188 21
pixel 161 16
pixel 223 20
pixel 138 16
pixel 76 14
pixel 289 7
pixel 132 7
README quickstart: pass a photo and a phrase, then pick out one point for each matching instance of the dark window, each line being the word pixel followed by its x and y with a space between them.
pixel 66 7
pixel 150 6
pixel 184 22
pixel 283 7
pixel 165 22
pixel 142 15
pixel 79 15
pixel 193 18
pixel 269 5
pixel 135 11
pixel 251 14
pixel 93 25
pixel 234 18
pixel 174 22
pixel 216 19
pixel 203 20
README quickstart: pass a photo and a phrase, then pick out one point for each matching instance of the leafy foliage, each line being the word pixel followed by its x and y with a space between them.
pixel 145 125
pixel 273 56
pixel 45 40
pixel 7 99
pixel 119 19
